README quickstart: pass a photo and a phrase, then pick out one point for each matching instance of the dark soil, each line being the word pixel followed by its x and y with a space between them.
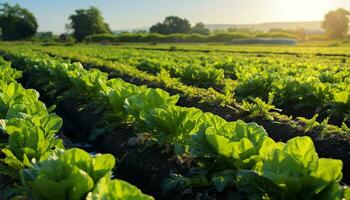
pixel 308 113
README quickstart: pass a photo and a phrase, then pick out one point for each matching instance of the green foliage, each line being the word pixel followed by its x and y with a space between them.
pixel 235 145
pixel 30 128
pixel 296 169
pixel 199 28
pixel 171 24
pixel 173 125
pixel 108 189
pixel 309 123
pixel 17 23
pixel 341 103
pixel 149 100
pixel 7 74
pixel 336 23
pixel 227 154
pixel 276 35
pixel 192 37
pixel 118 92
pixel 28 145
pixel 87 22
pixel 259 108
pixel 69 174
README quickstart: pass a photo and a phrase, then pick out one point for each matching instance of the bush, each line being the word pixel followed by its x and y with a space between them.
pixel 196 38
pixel 265 41
pixel 152 37
pixel 276 35
pixel 101 38
pixel 226 37
pixel 182 37
pixel 317 37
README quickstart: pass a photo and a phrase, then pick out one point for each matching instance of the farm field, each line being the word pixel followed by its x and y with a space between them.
pixel 198 121
pixel 296 83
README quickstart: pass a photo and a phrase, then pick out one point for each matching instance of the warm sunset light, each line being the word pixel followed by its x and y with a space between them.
pixel 136 14
pixel 301 10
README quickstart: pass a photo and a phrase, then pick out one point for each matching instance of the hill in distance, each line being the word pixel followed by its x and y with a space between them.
pixel 311 26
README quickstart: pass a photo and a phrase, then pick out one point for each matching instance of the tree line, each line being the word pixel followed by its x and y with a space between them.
pixel 17 23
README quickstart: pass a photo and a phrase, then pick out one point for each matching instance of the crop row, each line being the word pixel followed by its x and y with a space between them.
pixel 255 107
pixel 318 50
pixel 302 88
pixel 226 155
pixel 32 154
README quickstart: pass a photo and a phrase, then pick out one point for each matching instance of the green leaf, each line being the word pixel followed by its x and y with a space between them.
pixel 11 160
pixel 148 100
pixel 303 151
pixel 173 124
pixel 107 189
pixel 65 175
pixel 297 170
pixel 51 124
pixel 223 179
pixel 102 165
pixel 342 97
pixel 252 183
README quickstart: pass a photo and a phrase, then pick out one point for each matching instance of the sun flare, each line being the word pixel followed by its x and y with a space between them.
pixel 302 10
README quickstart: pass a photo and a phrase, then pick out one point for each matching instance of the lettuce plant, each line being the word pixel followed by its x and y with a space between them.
pixel 118 92
pixel 69 174
pixel 173 125
pixel 235 145
pixel 299 173
pixel 29 127
pixel 107 189
pixel 26 145
pixel 148 100
pixel 8 74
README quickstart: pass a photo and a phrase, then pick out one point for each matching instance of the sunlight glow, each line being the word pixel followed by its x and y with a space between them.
pixel 301 10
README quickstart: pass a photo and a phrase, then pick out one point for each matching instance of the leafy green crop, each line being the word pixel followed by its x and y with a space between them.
pixel 173 125
pixel 148 100
pixel 69 174
pixel 47 170
pixel 298 172
pixel 227 154
pixel 107 189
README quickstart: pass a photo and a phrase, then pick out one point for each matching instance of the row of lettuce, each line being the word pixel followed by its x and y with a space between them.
pixel 318 84
pixel 226 155
pixel 302 88
pixel 311 49
pixel 31 152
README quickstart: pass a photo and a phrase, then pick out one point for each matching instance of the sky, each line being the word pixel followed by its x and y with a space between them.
pixel 52 15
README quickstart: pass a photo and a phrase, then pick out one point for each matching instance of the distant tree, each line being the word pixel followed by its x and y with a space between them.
pixel 87 22
pixel 171 24
pixel 298 32
pixel 66 38
pixel 242 30
pixel 139 31
pixel 200 29
pixel 16 22
pixel 336 23
pixel 44 35
pixel 159 28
